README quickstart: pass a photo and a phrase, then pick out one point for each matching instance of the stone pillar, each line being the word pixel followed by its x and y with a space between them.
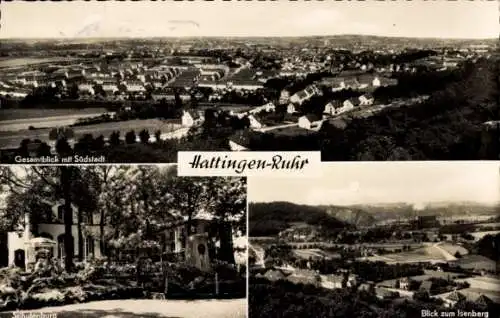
pixel 197 252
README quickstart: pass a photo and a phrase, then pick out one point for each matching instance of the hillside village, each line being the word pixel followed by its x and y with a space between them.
pixel 422 259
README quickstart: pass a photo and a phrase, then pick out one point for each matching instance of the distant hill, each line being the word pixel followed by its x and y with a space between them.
pixel 351 215
pixel 267 219
pixel 383 211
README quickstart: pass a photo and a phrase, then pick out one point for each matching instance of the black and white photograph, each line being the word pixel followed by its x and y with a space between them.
pixel 138 81
pixel 400 239
pixel 121 241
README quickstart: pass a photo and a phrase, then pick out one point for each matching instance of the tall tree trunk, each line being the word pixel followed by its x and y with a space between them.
pixel 69 248
pixel 189 223
pixel 102 246
pixel 80 236
pixel 226 251
pixel 101 235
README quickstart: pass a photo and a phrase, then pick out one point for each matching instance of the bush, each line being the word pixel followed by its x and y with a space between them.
pixel 10 276
pixel 48 297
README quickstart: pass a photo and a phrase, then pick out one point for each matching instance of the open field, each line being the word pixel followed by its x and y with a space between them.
pixel 430 253
pixel 29 113
pixel 493 224
pixel 53 118
pixel 453 248
pixel 148 308
pixel 479 235
pixel 13 139
pixel 17 62
pixel 314 253
pixel 291 131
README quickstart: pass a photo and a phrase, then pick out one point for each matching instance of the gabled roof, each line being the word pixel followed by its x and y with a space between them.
pixel 313 117
pixel 354 101
pixel 482 299
pixel 194 114
pixel 456 296
pixel 335 103
pixel 301 94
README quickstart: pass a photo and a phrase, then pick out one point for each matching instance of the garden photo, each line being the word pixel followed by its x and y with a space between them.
pixel 121 241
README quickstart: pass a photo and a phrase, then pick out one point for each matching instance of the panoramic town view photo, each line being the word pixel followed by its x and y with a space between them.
pixel 376 240
pixel 130 82
pixel 121 241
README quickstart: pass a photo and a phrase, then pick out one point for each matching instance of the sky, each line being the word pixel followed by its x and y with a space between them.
pixel 415 183
pixel 441 19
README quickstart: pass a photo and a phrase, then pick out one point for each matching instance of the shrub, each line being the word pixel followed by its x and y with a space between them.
pixel 75 294
pixel 48 297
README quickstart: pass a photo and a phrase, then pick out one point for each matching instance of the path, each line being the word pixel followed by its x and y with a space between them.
pixel 270 128
pixel 148 308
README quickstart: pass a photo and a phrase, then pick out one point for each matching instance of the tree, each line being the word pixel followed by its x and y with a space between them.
pixel 189 196
pixel 63 148
pixel 66 173
pixel 114 138
pixel 130 137
pixel 85 144
pixel 227 201
pixel 43 149
pixel 144 136
pixel 158 135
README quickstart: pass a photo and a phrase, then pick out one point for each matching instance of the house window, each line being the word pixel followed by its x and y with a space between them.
pixel 89 247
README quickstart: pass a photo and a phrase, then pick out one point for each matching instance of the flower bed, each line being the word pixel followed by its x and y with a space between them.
pixel 101 281
pixel 20 290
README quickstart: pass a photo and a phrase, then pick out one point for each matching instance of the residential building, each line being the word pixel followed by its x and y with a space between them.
pixel 351 103
pixel 284 97
pixel 191 118
pixel 109 87
pixel 404 283
pixel 86 88
pixel 134 86
pixel 311 121
pixel 303 95
pixel 366 99
pixel 254 122
pixel 52 227
pixel 291 108
pixel 335 107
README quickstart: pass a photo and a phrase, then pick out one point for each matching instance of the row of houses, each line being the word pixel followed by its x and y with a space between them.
pixel 337 107
pixel 302 276
pixel 354 82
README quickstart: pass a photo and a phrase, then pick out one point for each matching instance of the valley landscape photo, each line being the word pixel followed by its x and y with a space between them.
pixel 376 239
